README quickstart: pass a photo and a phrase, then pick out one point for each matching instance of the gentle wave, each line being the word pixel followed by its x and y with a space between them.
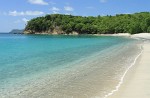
pixel 122 78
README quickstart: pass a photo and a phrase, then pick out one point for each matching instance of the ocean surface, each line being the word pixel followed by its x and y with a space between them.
pixel 51 66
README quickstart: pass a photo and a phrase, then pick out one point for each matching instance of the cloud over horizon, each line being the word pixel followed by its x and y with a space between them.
pixel 25 20
pixel 20 21
pixel 68 8
pixel 103 1
pixel 39 2
pixel 26 13
pixel 55 10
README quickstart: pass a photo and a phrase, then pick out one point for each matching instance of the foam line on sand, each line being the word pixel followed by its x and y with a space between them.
pixel 122 78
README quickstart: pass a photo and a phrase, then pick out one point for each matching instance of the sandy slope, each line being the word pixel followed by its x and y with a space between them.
pixel 137 81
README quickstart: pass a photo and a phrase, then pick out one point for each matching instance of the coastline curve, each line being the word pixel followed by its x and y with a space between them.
pixel 122 78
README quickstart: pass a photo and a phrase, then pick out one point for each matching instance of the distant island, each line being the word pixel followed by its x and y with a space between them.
pixel 68 24
pixel 16 31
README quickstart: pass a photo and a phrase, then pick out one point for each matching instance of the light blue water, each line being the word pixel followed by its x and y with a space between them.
pixel 23 57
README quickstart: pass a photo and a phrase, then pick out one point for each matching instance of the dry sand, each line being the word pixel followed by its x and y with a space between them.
pixel 141 35
pixel 136 83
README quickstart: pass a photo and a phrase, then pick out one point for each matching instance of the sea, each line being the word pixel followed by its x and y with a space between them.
pixel 64 66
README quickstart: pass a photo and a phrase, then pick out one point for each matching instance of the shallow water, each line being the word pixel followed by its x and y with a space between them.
pixel 44 66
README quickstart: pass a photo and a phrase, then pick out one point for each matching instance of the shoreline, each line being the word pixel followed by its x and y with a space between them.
pixel 129 73
pixel 124 75
pixel 88 75
pixel 76 34
pixel 135 81
pixel 135 36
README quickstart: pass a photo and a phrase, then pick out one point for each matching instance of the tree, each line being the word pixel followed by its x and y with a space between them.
pixel 121 23
pixel 148 29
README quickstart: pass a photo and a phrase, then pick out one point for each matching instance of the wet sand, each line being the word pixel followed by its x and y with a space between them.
pixel 136 81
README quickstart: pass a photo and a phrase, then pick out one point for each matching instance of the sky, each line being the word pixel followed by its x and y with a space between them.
pixel 14 14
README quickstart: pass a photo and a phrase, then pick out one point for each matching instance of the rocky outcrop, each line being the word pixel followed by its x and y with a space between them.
pixel 56 31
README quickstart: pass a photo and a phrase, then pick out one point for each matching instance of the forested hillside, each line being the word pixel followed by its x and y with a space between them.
pixel 66 24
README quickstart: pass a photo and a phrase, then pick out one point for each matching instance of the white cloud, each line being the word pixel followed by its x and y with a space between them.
pixel 55 12
pixel 127 13
pixel 55 9
pixel 67 14
pixel 68 8
pixel 26 13
pixel 39 2
pixel 25 20
pixel 103 1
pixel 103 14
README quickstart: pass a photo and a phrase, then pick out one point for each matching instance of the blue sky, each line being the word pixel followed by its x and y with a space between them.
pixel 15 13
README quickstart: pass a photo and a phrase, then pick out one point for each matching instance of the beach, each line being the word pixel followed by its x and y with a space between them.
pixel 110 66
pixel 82 66
pixel 136 81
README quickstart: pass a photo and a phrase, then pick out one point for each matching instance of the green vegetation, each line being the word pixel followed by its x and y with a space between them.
pixel 121 23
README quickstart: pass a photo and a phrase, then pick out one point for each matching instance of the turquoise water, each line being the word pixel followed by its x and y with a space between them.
pixel 62 65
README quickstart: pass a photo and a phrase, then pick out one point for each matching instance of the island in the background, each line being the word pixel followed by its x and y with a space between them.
pixel 16 31
pixel 68 24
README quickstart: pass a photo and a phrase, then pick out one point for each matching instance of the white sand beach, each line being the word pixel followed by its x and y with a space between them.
pixel 137 80
pixel 141 35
